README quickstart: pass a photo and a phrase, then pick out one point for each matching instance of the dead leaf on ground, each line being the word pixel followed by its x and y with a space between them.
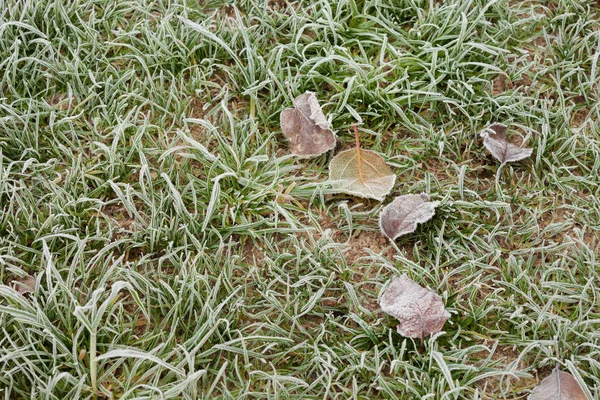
pixel 559 385
pixel 62 101
pixel 361 173
pixel 306 127
pixel 403 214
pixel 420 311
pixel 494 139
pixel 25 285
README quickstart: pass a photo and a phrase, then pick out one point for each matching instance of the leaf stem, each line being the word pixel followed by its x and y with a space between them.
pixel 358 158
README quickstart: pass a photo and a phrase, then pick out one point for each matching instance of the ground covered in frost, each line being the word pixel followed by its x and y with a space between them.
pixel 175 249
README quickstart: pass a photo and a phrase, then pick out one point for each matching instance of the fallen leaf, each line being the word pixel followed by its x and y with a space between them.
pixel 558 385
pixel 372 179
pixel 25 285
pixel 306 127
pixel 420 311
pixel 494 139
pixel 61 101
pixel 403 214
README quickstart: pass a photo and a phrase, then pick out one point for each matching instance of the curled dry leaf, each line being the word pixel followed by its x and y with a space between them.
pixel 558 385
pixel 306 127
pixel 403 214
pixel 25 285
pixel 494 139
pixel 420 311
pixel 362 173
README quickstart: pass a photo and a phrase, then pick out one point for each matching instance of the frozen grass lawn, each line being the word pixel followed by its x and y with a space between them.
pixel 180 252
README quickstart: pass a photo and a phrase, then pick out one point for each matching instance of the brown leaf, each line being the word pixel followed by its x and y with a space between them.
pixel 62 101
pixel 403 214
pixel 368 176
pixel 25 285
pixel 306 127
pixel 494 139
pixel 420 311
pixel 558 385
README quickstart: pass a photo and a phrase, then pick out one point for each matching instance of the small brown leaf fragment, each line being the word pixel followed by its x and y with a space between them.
pixel 559 385
pixel 372 179
pixel 61 101
pixel 403 214
pixel 306 127
pixel 420 311
pixel 329 302
pixel 494 139
pixel 25 285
